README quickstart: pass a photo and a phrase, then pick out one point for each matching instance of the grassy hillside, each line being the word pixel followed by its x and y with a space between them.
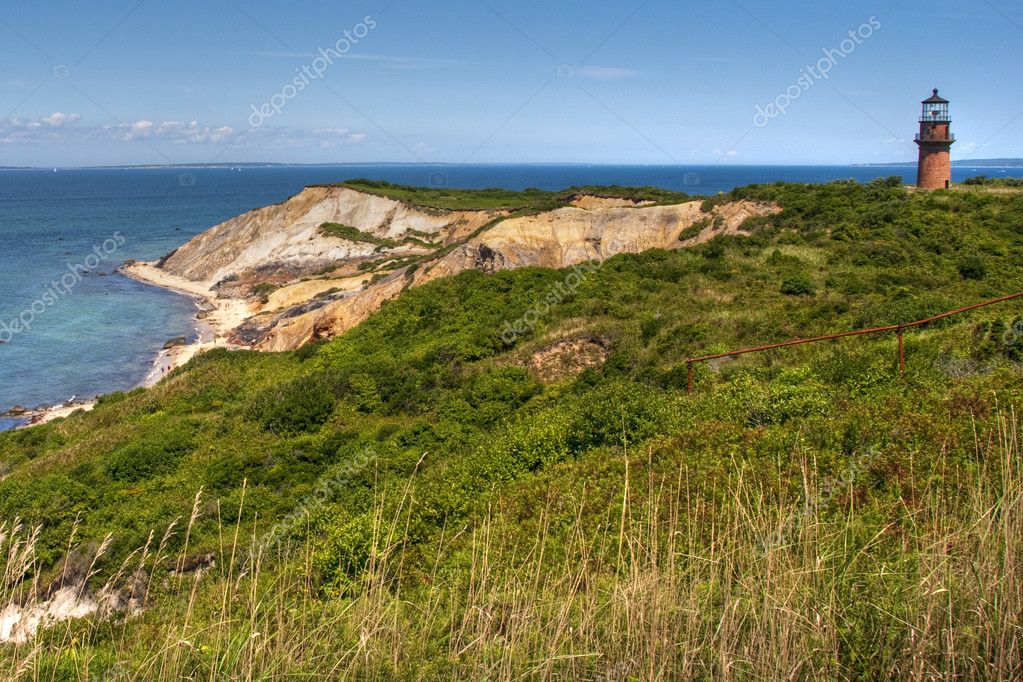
pixel 441 494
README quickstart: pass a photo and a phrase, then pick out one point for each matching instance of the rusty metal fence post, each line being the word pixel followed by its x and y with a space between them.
pixel 902 354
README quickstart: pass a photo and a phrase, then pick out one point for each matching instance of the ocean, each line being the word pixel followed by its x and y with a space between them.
pixel 71 326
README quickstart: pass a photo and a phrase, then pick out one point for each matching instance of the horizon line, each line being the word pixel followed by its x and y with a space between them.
pixel 979 163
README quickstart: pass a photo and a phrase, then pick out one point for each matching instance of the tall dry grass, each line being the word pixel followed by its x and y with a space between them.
pixel 663 583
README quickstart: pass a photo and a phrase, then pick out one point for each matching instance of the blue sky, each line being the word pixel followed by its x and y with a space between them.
pixel 491 81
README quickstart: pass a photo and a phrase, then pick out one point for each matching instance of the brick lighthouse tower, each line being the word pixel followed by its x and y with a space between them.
pixel 935 141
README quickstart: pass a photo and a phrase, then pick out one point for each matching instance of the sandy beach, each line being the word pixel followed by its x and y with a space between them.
pixel 223 314
pixel 221 317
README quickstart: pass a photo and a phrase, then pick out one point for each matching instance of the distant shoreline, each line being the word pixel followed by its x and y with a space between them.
pixel 963 163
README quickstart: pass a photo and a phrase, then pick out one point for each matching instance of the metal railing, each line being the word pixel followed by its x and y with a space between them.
pixel 897 328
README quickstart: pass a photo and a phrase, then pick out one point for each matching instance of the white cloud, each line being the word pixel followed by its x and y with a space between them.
pixel 54 120
pixel 176 132
pixel 65 128
pixel 137 129
pixel 57 119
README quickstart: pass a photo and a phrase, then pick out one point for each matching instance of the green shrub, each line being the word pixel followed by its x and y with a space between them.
pixel 345 548
pixel 364 393
pixel 354 234
pixel 300 405
pixel 715 249
pixel 263 291
pixel 149 456
pixel 694 230
pixel 798 285
pixel 617 412
pixel 902 308
pixel 972 267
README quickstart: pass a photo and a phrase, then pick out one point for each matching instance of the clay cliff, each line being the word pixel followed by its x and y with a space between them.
pixel 321 262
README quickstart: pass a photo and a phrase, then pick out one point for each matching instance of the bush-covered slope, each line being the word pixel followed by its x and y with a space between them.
pixel 427 496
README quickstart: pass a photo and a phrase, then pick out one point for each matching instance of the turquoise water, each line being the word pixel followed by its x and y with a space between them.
pixel 95 332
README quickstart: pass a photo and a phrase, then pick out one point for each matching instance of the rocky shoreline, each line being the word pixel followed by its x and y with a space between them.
pixel 24 417
pixel 215 322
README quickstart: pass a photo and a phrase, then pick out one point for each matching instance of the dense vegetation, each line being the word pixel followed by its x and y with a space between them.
pixel 422 498
pixel 354 234
pixel 985 181
pixel 454 199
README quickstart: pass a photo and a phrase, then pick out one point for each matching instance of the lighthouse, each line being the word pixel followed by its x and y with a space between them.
pixel 935 141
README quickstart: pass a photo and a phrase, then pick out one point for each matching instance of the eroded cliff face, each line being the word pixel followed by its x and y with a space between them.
pixel 286 240
pixel 305 283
